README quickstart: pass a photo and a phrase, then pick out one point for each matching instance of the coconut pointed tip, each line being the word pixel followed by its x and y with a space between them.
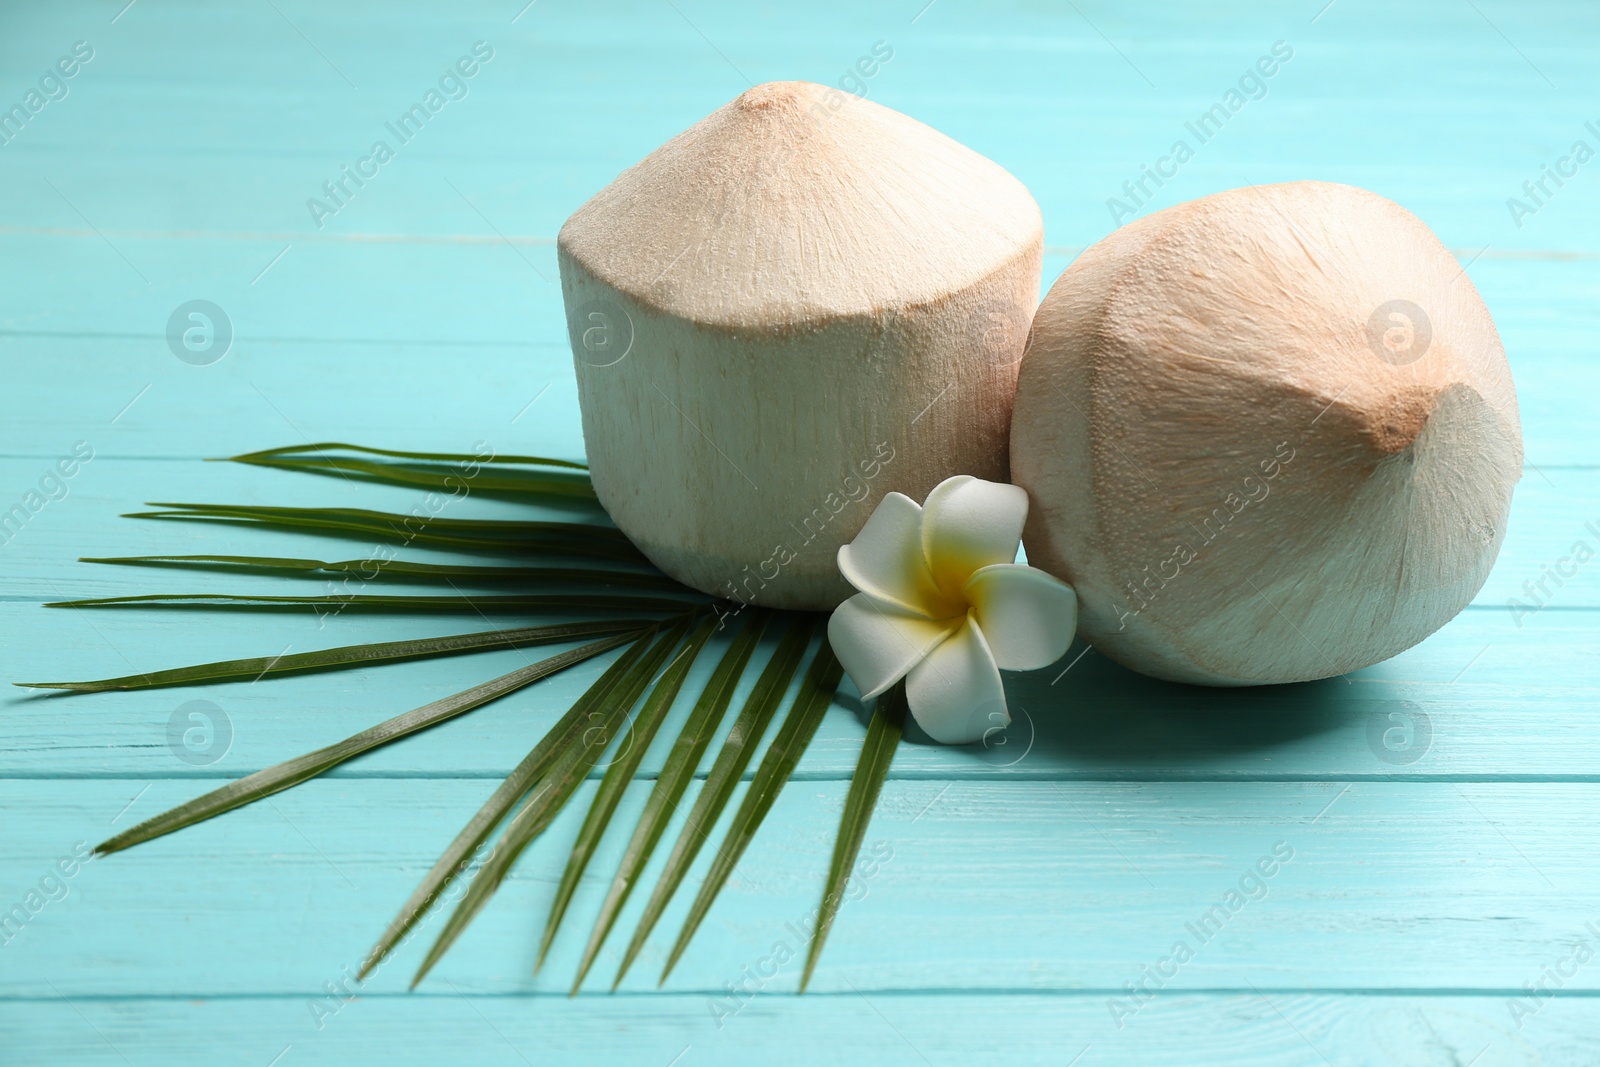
pixel 1386 422
pixel 1396 426
pixel 777 96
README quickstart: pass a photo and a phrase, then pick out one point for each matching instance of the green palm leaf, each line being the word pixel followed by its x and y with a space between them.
pixel 550 749
pixel 678 768
pixel 547 778
pixel 367 570
pixel 618 777
pixel 440 457
pixel 509 528
pixel 551 794
pixel 737 749
pixel 481 535
pixel 292 772
pixel 477 605
pixel 562 484
pixel 799 726
pixel 883 737
pixel 351 656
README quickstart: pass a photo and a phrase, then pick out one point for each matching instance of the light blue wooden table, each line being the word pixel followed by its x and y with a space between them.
pixel 1439 809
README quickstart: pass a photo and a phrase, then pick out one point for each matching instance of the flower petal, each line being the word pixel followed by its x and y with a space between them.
pixel 1027 616
pixel 886 559
pixel 877 644
pixel 956 694
pixel 968 523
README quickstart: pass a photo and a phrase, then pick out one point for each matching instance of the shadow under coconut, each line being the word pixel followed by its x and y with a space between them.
pixel 1099 717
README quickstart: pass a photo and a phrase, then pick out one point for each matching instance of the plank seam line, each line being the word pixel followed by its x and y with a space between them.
pixel 1169 993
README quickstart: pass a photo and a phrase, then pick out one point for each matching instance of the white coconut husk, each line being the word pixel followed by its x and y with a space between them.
pixel 1295 385
pixel 804 301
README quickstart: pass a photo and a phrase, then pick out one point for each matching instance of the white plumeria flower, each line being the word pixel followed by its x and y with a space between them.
pixel 943 605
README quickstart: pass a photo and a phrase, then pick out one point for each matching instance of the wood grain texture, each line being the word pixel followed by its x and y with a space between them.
pixel 1416 885
pixel 1456 861
pixel 1265 1028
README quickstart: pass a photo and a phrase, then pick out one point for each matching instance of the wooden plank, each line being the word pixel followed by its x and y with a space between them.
pixel 1246 1028
pixel 1022 893
pixel 1099 96
pixel 1553 509
pixel 1487 716
pixel 962 885
pixel 1394 886
pixel 465 339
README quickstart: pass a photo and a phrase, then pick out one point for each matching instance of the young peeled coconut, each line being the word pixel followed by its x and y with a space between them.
pixel 1269 435
pixel 801 303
